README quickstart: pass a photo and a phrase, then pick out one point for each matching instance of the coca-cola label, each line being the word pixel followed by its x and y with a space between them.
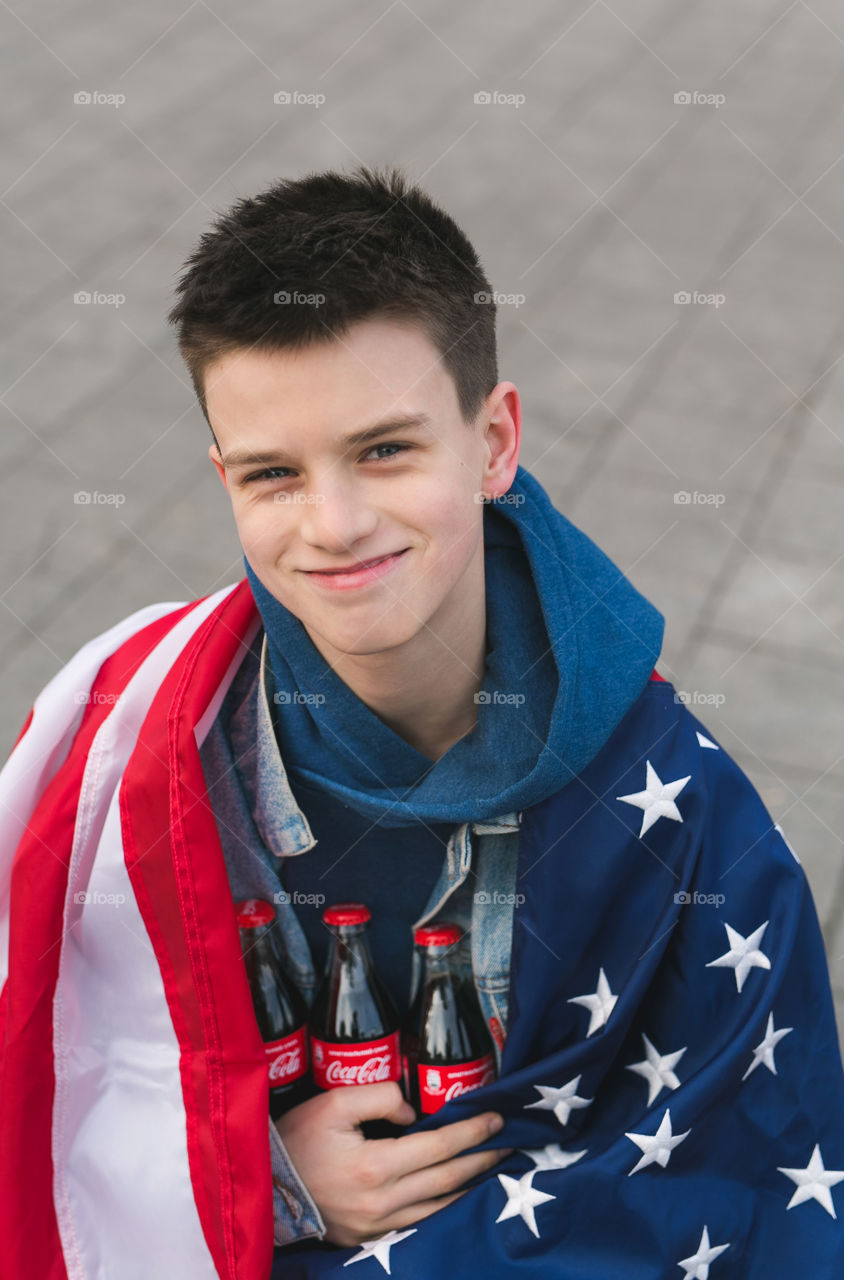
pixel 288 1058
pixel 369 1062
pixel 438 1085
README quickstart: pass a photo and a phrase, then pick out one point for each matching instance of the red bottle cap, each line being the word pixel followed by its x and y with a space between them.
pixel 253 912
pixel 347 913
pixel 437 935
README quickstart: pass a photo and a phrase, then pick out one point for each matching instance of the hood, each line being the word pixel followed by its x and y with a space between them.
pixel 571 646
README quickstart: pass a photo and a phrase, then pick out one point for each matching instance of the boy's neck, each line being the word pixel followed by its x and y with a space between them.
pixel 425 691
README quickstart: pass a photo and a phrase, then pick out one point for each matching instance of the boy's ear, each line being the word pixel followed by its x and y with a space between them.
pixel 216 457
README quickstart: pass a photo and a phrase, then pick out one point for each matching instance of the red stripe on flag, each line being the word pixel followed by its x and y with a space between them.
pixel 656 676
pixel 30 1244
pixel 178 872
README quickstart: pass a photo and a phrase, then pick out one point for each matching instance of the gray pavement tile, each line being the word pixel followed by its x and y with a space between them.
pixel 693 434
pixel 821 452
pixel 787 714
pixel 71 368
pixel 671 554
pixel 789 601
pixel 807 518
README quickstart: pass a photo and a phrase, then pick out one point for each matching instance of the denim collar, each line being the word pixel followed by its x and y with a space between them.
pixel 281 823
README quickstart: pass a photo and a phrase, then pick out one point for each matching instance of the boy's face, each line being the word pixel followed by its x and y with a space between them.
pixel 313 502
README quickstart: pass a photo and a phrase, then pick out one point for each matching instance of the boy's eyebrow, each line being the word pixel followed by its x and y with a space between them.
pixel 411 422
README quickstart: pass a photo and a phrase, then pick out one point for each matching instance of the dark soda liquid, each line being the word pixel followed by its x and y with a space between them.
pixel 282 1018
pixel 354 1025
pixel 446 1046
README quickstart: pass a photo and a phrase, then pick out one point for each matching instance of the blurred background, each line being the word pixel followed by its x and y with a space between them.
pixel 656 190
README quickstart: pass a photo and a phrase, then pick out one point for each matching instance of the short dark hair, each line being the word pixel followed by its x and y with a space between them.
pixel 369 243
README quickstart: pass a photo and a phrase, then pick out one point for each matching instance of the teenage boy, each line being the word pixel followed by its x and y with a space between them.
pixel 434 694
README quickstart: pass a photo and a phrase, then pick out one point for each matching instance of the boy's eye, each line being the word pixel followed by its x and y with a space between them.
pixel 400 447
pixel 269 473
pixel 278 473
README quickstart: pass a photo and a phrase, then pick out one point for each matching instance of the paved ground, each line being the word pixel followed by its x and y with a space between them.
pixel 599 198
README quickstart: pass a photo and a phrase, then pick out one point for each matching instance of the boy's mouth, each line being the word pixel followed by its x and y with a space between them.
pixel 355 575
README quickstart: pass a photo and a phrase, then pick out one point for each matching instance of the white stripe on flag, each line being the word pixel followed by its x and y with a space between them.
pixel 56 714
pixel 122 1185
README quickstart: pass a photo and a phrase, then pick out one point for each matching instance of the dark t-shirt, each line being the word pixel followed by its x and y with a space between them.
pixel 392 869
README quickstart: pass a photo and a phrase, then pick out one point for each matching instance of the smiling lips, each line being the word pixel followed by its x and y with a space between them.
pixel 358 575
pixel 355 568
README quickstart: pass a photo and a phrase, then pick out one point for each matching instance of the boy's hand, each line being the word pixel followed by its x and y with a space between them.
pixel 364 1188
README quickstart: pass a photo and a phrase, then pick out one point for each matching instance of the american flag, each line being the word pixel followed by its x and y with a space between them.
pixel 671 1080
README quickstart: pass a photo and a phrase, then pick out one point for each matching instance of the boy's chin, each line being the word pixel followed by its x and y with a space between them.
pixel 378 641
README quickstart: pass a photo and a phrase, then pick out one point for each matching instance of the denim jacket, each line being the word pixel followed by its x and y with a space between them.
pixel 260 823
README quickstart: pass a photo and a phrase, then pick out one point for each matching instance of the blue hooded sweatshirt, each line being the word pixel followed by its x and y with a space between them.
pixel 571 645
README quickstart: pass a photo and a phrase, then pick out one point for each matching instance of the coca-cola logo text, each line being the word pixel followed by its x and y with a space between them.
pixel 369 1072
pixel 460 1086
pixel 287 1066
pixel 287 1059
pixel 367 1062
pixel 438 1085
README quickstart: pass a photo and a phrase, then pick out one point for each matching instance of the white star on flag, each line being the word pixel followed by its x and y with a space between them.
pixel 697 1268
pixel 552 1157
pixel 743 954
pixel 657 1147
pixel 813 1182
pixel 522 1198
pixel 657 800
pixel 657 1069
pixel 380 1248
pixel 705 742
pixel 764 1051
pixel 561 1101
pixel 600 1005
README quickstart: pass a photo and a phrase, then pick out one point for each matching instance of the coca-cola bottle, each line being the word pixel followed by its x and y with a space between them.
pixel 279 1007
pixel 446 1047
pixel 353 1024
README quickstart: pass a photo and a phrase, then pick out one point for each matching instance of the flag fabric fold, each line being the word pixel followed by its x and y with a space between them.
pixel 671 1078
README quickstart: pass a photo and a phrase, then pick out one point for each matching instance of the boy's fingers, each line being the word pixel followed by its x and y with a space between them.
pixel 358 1102
pixel 417 1151
pixel 441 1179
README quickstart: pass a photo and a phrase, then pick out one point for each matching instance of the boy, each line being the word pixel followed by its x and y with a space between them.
pixel 434 694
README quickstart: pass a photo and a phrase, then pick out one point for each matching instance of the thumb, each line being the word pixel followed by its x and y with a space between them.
pixel 356 1102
